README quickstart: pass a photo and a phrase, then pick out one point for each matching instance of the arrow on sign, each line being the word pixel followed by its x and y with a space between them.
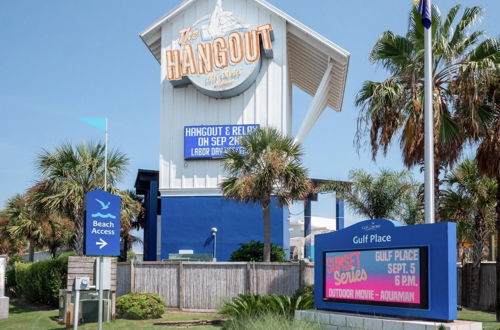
pixel 102 243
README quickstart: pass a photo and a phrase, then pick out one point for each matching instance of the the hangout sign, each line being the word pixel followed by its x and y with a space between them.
pixel 219 54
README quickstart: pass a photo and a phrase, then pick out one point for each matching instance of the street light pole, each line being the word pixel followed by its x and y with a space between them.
pixel 214 234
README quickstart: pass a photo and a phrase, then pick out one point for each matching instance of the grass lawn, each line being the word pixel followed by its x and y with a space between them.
pixel 37 318
pixel 488 319
pixel 30 317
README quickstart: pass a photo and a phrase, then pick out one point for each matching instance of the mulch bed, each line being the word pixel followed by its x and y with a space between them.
pixel 191 323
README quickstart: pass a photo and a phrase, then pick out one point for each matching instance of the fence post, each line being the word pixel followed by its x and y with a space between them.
pixel 132 276
pixel 302 270
pixel 249 278
pixel 181 285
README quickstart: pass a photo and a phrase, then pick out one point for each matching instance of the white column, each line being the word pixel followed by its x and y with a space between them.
pixel 318 105
pixel 4 301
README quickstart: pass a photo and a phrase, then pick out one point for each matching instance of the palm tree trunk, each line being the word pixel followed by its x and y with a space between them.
pixel 437 170
pixel 53 252
pixel 477 255
pixel 79 232
pixel 124 252
pixel 498 249
pixel 267 231
pixel 31 249
pixel 460 251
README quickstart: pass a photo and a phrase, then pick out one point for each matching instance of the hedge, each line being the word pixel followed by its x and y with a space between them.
pixel 254 251
pixel 41 281
pixel 140 306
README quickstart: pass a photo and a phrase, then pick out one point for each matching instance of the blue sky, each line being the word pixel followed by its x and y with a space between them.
pixel 60 60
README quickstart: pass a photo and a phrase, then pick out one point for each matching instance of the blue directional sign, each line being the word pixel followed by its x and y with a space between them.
pixel 102 224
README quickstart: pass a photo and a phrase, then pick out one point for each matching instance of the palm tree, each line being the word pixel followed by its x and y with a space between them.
pixel 8 243
pixel 58 231
pixel 69 173
pixel 59 234
pixel 388 195
pixel 23 223
pixel 132 217
pixel 471 196
pixel 394 107
pixel 486 133
pixel 270 167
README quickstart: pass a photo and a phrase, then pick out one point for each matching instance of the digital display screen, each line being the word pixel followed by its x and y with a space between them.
pixel 390 277
pixel 214 141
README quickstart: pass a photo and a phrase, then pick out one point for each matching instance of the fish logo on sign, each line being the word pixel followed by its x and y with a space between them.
pixel 102 228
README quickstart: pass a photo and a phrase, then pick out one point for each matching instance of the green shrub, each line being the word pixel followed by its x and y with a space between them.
pixel 306 291
pixel 140 306
pixel 248 306
pixel 130 255
pixel 270 322
pixel 10 284
pixel 254 251
pixel 66 255
pixel 41 281
pixel 13 258
pixel 11 278
pixel 244 306
pixel 286 305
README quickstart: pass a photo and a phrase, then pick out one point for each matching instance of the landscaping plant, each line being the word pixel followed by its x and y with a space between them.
pixel 140 306
pixel 254 251
pixel 248 307
pixel 271 322
pixel 40 282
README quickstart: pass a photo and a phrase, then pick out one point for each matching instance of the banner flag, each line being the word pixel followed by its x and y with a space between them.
pixel 209 240
pixel 97 122
pixel 424 9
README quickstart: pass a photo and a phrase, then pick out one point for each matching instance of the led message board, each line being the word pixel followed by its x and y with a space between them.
pixel 389 277
pixel 214 141
pixel 381 267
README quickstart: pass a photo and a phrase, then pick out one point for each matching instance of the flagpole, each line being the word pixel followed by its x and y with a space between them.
pixel 101 259
pixel 106 156
pixel 428 126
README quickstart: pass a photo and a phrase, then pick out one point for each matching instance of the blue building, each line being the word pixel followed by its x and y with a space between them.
pixel 227 67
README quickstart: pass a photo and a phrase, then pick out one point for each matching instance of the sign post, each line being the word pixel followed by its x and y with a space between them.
pixel 102 231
